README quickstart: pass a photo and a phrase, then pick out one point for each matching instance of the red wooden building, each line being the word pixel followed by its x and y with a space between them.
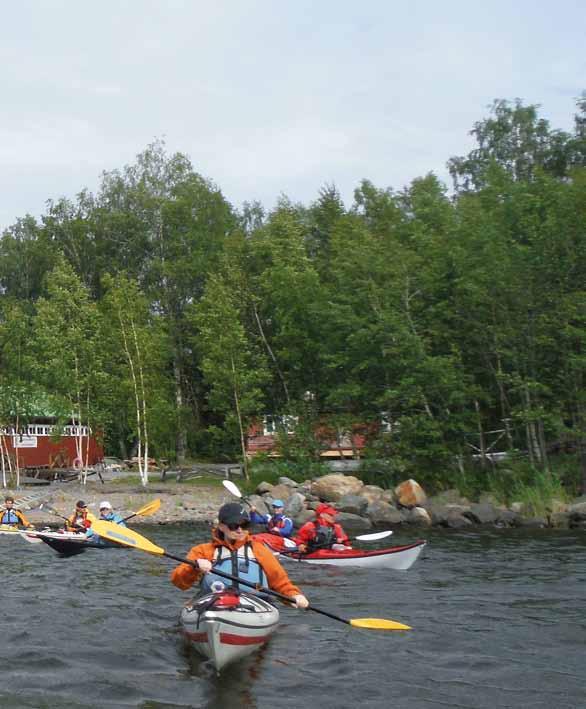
pixel 44 444
pixel 334 442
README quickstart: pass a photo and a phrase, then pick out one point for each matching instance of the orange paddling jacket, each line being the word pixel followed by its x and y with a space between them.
pixel 184 575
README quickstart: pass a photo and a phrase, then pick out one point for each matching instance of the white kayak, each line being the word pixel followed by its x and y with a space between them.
pixel 14 531
pixel 227 626
pixel 399 558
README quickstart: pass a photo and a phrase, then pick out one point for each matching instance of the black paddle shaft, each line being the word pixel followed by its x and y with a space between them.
pixel 261 589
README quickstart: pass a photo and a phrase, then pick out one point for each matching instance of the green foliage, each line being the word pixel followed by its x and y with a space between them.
pixel 452 317
pixel 264 469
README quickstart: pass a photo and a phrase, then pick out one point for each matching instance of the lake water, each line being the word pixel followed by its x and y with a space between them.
pixel 498 620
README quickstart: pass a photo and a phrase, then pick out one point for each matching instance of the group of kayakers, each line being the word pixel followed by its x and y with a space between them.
pixel 78 521
pixel 231 549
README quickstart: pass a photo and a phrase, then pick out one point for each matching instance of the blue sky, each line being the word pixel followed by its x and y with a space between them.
pixel 268 97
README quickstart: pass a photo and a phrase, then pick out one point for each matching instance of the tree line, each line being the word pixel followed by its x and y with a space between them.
pixel 169 319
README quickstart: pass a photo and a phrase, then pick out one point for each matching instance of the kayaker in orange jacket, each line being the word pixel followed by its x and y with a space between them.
pixel 11 516
pixel 78 521
pixel 323 532
pixel 233 547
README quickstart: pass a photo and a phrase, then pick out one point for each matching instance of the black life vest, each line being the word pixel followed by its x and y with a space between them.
pixel 324 537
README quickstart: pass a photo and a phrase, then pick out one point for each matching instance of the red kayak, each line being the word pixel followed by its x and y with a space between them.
pixel 398 557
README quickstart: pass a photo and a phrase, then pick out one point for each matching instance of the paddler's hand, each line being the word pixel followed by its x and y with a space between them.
pixel 204 565
pixel 339 547
pixel 301 601
pixel 302 548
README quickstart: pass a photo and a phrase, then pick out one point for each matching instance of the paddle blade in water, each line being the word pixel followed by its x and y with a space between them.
pixel 126 537
pixel 378 624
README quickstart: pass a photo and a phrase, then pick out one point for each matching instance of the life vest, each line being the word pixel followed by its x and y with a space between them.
pixel 324 537
pixel 10 517
pixel 276 523
pixel 239 562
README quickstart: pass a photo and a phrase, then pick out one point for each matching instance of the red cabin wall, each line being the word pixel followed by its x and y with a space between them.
pixel 59 453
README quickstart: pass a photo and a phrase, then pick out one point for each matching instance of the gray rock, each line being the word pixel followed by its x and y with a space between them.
pixel 417 516
pixel 282 492
pixel 577 511
pixel 353 523
pixel 482 513
pixel 508 518
pixel 380 513
pixel 533 522
pixel 355 504
pixel 295 504
pixel 304 516
pixel 264 487
pixel 287 481
pixel 333 487
pixel 456 520
pixel 260 504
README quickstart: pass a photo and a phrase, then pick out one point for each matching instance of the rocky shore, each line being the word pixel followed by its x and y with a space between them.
pixel 362 507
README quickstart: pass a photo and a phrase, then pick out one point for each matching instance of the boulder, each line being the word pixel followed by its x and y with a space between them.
pixel 263 487
pixel 295 504
pixel 577 511
pixel 353 523
pixel 333 487
pixel 380 513
pixel 456 520
pixel 533 522
pixel 409 493
pixel 418 516
pixel 482 513
pixel 281 492
pixel 288 482
pixel 508 518
pixel 355 504
pixel 389 496
pixel 302 517
pixel 260 504
pixel 372 493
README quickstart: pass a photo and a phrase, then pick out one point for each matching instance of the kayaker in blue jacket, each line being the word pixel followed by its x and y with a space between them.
pixel 12 516
pixel 276 523
pixel 107 514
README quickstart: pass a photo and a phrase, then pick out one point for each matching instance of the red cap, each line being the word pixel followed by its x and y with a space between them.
pixel 324 509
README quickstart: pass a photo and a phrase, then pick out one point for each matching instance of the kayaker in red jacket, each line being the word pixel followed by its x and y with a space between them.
pixel 232 549
pixel 322 532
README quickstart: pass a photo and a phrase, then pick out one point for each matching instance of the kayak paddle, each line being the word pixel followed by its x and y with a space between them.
pixel 146 510
pixel 130 538
pixel 46 505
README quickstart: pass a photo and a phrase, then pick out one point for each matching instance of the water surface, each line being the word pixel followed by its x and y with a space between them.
pixel 498 620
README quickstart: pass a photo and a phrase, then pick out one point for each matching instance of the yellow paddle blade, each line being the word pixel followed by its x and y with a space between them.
pixel 378 624
pixel 149 509
pixel 126 537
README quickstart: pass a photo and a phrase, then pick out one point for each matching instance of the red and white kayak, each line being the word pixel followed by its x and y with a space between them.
pixel 399 558
pixel 227 626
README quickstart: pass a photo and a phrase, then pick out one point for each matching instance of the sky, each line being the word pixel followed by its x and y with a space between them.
pixel 269 97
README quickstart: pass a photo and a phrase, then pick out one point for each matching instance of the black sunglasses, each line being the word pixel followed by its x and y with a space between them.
pixel 233 526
